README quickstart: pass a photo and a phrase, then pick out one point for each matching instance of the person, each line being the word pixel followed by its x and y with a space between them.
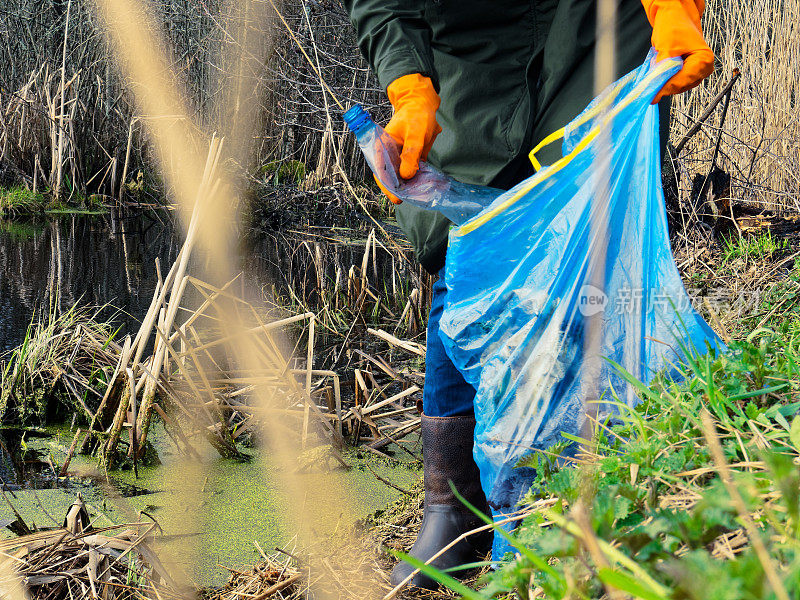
pixel 474 85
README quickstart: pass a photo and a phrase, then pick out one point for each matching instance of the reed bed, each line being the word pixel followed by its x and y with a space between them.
pixel 184 368
pixel 192 384
pixel 758 140
pixel 190 374
pixel 371 314
pixel 69 128
pixel 60 367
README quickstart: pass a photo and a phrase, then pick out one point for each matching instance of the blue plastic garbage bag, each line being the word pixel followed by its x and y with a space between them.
pixel 583 241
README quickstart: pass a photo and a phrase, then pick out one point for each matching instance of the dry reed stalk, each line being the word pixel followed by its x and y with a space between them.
pixel 143 425
pixel 127 157
pixel 218 434
pixel 12 585
pixel 309 368
pixel 190 349
pixel 759 138
pixel 580 515
pixel 391 400
pixel 57 183
pixel 103 416
pixel 110 447
pixel 412 347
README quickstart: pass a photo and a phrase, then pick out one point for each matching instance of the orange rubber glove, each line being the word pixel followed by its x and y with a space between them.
pixel 677 32
pixel 413 125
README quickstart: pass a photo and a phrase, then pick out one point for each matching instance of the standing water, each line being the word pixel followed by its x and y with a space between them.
pixel 111 259
pixel 94 260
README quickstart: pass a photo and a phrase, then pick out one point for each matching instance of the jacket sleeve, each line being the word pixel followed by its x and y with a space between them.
pixel 394 37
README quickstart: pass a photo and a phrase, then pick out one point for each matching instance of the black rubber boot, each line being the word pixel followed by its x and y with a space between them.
pixel 447 456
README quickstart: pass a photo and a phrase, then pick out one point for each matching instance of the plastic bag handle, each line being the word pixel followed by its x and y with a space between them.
pixel 587 115
pixel 663 69
pixel 556 135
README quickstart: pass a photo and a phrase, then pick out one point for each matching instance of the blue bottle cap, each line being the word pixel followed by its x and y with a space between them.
pixel 356 117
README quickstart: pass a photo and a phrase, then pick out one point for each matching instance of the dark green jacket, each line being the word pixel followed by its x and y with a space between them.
pixel 509 72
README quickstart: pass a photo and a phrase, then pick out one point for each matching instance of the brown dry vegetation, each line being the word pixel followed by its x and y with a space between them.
pixel 69 125
pixel 62 102
pixel 758 142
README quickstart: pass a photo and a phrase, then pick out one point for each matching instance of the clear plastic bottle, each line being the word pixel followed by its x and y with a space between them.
pixel 429 188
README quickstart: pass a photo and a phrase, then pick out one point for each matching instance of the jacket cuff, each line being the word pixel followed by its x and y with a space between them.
pixel 406 62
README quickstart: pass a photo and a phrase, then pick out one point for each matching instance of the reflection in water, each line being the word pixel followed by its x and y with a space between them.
pixel 110 259
pixel 23 461
pixel 91 259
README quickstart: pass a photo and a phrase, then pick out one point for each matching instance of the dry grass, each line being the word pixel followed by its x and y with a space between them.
pixel 65 354
pixel 273 578
pixel 68 123
pixel 760 140
pixel 113 562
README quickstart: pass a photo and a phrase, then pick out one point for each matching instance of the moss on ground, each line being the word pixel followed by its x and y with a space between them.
pixel 217 511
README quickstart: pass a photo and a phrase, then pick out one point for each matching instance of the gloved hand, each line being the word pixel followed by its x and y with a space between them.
pixel 413 125
pixel 677 32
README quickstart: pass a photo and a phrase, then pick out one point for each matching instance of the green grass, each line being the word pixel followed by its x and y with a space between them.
pixel 646 512
pixel 62 209
pixel 752 247
pixel 778 309
pixel 19 200
pixel 288 172
pixel 64 355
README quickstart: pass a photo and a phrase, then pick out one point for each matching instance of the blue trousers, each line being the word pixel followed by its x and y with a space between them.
pixel 446 393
